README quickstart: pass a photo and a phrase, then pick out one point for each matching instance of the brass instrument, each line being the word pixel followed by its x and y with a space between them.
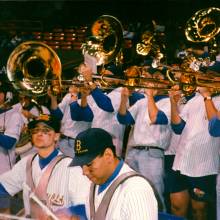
pixel 149 45
pixel 133 79
pixel 106 39
pixel 32 66
pixel 203 25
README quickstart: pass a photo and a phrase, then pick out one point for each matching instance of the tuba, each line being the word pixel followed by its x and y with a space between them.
pixel 32 66
pixel 105 41
pixel 203 25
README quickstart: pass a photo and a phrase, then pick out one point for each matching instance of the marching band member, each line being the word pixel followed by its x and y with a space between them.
pixel 10 125
pixel 47 173
pixel 149 136
pixel 133 197
pixel 196 162
pixel 103 108
pixel 71 122
pixel 213 115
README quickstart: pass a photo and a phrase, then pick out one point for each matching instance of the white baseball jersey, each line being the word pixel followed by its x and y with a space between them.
pixel 69 127
pixel 143 133
pixel 11 124
pixel 174 139
pixel 198 152
pixel 133 199
pixel 66 184
pixel 108 120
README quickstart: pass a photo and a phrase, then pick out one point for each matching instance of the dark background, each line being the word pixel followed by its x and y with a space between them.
pixel 67 13
pixel 44 16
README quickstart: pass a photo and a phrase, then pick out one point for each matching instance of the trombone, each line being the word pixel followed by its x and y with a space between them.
pixel 33 66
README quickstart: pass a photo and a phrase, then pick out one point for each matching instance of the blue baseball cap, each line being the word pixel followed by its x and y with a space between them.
pixel 89 144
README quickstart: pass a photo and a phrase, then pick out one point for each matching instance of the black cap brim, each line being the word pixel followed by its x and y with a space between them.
pixel 82 160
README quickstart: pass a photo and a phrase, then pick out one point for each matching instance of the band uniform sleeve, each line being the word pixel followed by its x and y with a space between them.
pixel 214 127
pixel 13 179
pixel 3 191
pixel 126 119
pixel 7 142
pixel 178 128
pixel 161 118
pixel 102 100
pixel 79 113
pixel 57 113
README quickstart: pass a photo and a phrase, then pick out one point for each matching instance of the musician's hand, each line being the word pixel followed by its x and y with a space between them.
pixel 73 89
pixel 125 93
pixel 204 91
pixel 85 91
pixel 175 94
pixel 50 93
pixel 150 92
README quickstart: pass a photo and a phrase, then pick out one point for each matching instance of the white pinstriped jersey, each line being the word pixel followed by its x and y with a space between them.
pixel 174 139
pixel 67 185
pixel 108 120
pixel 198 152
pixel 34 111
pixel 133 199
pixel 69 127
pixel 143 133
pixel 11 124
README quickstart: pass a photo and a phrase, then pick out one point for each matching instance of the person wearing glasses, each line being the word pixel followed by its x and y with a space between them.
pixel 46 174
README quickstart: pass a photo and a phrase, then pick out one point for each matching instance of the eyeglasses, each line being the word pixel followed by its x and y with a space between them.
pixel 37 130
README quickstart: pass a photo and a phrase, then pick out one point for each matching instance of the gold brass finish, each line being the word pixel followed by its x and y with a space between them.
pixel 32 66
pixel 106 40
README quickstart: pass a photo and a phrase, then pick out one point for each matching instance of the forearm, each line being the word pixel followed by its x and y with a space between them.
pixel 152 109
pixel 211 110
pixel 175 118
pixel 53 104
pixel 123 106
pixel 84 101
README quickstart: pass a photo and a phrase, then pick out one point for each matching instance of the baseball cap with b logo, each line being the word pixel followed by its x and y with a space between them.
pixel 89 144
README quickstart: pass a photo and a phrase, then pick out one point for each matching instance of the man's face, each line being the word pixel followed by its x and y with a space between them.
pixel 96 170
pixel 43 136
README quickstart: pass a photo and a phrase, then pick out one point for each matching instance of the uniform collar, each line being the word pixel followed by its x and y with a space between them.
pixel 43 162
pixel 111 178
